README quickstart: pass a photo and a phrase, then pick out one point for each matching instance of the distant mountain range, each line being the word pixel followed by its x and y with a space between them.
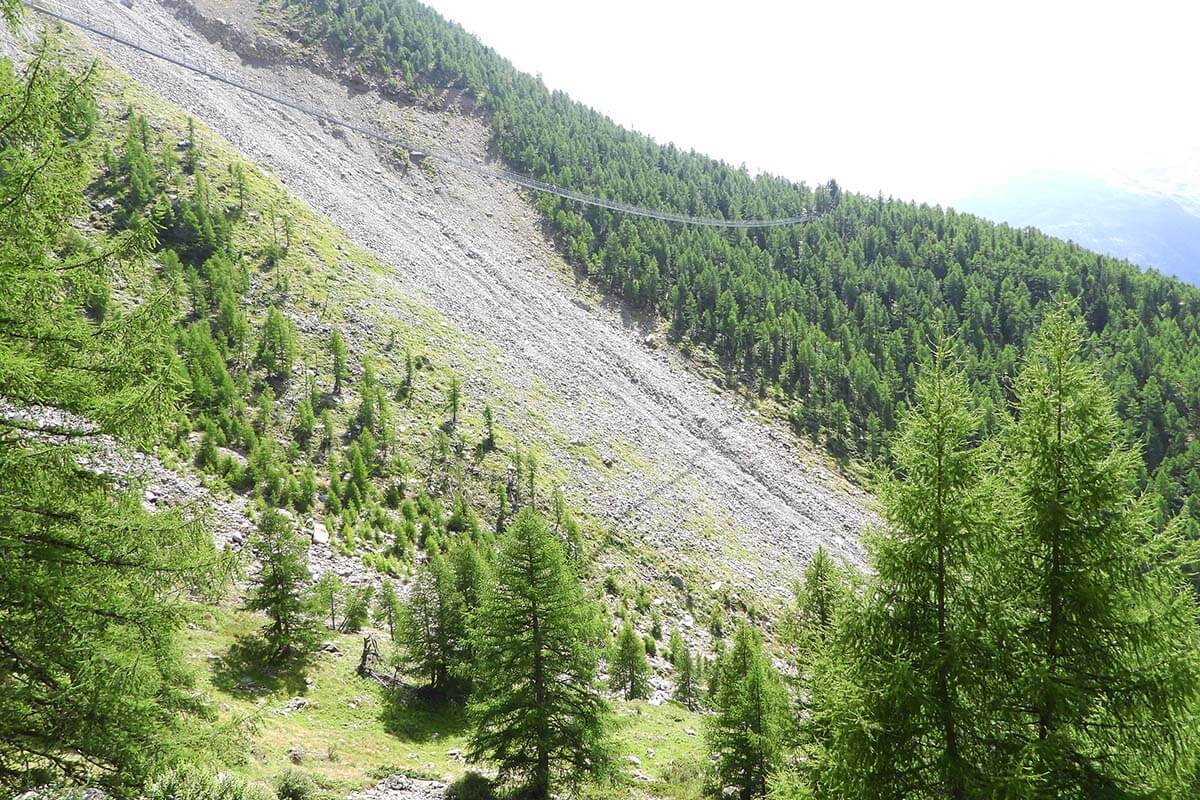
pixel 1149 227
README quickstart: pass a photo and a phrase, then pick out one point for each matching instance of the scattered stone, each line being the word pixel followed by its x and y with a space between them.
pixel 402 787
pixel 677 581
pixel 634 760
pixel 320 534
pixel 62 793
pixel 295 704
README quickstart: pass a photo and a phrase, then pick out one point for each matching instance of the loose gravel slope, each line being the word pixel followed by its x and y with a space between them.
pixel 693 478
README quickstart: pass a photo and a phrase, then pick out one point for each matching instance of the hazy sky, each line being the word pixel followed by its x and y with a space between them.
pixel 922 100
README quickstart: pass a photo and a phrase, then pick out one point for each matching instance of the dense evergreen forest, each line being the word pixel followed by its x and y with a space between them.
pixel 831 316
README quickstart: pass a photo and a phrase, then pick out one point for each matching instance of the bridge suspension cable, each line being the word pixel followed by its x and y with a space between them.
pixel 447 157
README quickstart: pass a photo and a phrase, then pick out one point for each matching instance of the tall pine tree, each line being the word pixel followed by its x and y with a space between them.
pixel 628 672
pixel 1108 652
pixel 917 652
pixel 279 585
pixel 536 709
pixel 746 735
pixel 432 627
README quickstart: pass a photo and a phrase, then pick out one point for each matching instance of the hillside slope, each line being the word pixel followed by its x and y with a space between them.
pixel 682 466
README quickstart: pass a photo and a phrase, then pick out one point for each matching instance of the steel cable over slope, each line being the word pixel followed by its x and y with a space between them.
pixel 449 158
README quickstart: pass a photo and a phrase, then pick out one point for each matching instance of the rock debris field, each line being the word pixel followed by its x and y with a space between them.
pixel 695 477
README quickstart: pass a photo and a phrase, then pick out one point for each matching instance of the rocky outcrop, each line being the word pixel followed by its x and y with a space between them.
pixel 402 787
pixel 227 514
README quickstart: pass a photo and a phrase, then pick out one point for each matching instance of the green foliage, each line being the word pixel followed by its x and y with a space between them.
pixel 746 734
pixel 277 346
pixel 306 422
pixel 687 688
pixel 628 670
pixel 387 608
pixel 489 429
pixel 357 608
pixel 278 585
pixel 1110 704
pixel 305 497
pixel 93 688
pixel 328 595
pixel 293 784
pixel 337 350
pixel 189 783
pixel 809 630
pixel 1034 641
pixel 10 10
pixel 212 387
pixel 535 710
pixel 454 399
pixel 432 629
pixel 924 640
pixel 676 648
pixel 472 575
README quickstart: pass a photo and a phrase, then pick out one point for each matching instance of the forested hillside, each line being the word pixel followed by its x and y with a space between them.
pixel 404 599
pixel 831 316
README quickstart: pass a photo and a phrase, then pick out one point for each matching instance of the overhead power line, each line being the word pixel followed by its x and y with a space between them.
pixel 449 158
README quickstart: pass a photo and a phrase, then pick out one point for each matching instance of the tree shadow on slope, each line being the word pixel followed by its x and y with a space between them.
pixel 418 715
pixel 249 667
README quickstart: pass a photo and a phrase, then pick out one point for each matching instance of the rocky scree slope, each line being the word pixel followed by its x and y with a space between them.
pixel 683 468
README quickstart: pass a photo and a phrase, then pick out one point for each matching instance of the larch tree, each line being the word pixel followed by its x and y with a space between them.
pixel 328 595
pixel 432 629
pixel 337 350
pixel 1108 660
pixel 810 632
pixel 918 651
pixel 388 608
pixel 628 671
pixel 746 735
pixel 536 711
pixel 687 689
pixel 471 574
pixel 277 345
pixel 454 399
pixel 279 585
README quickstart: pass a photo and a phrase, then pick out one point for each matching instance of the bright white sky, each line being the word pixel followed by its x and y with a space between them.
pixel 925 99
